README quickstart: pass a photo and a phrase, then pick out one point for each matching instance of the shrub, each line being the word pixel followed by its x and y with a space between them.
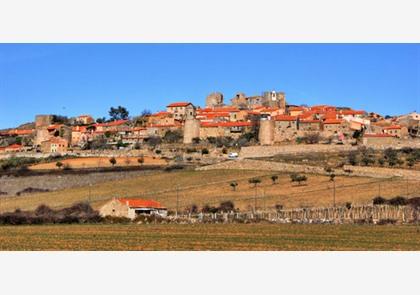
pixel 158 152
pixel 224 150
pixel 233 184
pixel 298 178
pixel 348 205
pixel 209 209
pixel 191 150
pixel 172 136
pixel 278 207
pixel 379 200
pixel 226 206
pixel 59 164
pixel 254 181
pixel 398 201
pixel 196 140
pixel 352 158
pixel 204 151
pixel 113 161
pixel 274 178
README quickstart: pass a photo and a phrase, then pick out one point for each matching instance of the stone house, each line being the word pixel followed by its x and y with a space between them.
pixel 394 130
pixel 54 145
pixel 131 208
pixel 85 119
pixel 181 110
pixel 220 129
pixel 334 126
pixel 285 122
pixel 309 125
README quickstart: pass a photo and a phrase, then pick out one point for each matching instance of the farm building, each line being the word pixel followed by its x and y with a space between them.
pixel 131 208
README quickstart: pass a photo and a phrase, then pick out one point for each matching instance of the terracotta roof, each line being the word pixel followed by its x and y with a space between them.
pixel 225 124
pixel 285 118
pixel 159 114
pixel 138 203
pixel 109 124
pixel 54 126
pixel 392 127
pixel 79 129
pixel 352 112
pixel 178 104
pixel 20 132
pixel 14 146
pixel 333 121
pixel 330 115
pixel 218 109
pixel 296 108
pixel 163 125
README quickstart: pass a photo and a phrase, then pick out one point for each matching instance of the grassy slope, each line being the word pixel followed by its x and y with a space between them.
pixel 202 187
pixel 210 237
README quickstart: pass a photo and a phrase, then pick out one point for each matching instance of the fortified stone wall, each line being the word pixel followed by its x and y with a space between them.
pixel 268 151
pixel 374 172
pixel 191 130
pixel 266 132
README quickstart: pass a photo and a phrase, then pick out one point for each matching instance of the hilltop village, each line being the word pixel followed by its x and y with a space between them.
pixel 264 119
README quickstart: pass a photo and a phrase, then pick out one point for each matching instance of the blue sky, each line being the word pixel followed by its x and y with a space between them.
pixel 72 79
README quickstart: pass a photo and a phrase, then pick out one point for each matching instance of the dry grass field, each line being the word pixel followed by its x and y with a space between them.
pixel 98 162
pixel 212 187
pixel 210 237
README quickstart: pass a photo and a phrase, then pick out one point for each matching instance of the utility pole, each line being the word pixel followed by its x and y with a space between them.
pixel 90 192
pixel 255 199
pixel 177 200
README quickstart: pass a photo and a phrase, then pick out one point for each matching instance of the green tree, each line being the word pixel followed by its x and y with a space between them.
pixel 118 113
pixel 255 181
pixel 274 178
pixel 234 184
pixel 140 160
pixel 298 178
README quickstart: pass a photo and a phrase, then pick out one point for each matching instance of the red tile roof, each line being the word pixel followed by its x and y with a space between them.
pixel 178 104
pixel 392 127
pixel 138 203
pixel 333 121
pixel 160 114
pixel 112 123
pixel 225 124
pixel 285 118
pixel 296 108
pixel 20 132
pixel 352 112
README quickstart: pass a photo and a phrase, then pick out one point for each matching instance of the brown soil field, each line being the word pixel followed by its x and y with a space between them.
pixel 96 162
pixel 211 187
pixel 240 237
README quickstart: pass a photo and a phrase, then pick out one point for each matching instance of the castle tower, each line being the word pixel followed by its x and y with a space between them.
pixel 275 99
pixel 214 99
pixel 41 124
pixel 191 130
pixel 266 132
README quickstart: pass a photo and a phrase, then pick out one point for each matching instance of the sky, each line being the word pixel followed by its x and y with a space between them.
pixel 74 79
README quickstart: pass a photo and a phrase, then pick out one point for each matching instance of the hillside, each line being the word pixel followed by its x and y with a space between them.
pixel 212 187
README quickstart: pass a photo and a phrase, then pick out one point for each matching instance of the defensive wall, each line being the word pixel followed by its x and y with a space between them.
pixel 375 172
